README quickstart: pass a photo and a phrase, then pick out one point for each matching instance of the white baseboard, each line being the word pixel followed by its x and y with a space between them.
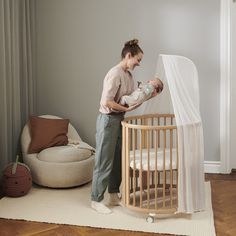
pixel 212 167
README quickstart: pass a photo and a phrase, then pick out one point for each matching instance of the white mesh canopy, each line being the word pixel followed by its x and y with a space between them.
pixel 181 97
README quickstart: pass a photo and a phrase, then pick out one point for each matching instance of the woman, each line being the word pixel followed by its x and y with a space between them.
pixel 107 170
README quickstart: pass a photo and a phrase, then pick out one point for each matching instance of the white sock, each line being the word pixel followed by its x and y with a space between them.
pixel 100 208
pixel 114 199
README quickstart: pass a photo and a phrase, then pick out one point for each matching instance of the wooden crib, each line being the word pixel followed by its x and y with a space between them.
pixel 150 164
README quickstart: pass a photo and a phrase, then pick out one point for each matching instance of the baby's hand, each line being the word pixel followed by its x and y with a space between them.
pixel 139 84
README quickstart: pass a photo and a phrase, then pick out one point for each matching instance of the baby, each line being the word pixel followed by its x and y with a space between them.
pixel 143 92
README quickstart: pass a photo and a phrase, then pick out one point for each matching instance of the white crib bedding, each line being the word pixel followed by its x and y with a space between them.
pixel 135 162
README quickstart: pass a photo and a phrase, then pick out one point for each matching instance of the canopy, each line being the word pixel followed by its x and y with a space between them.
pixel 181 97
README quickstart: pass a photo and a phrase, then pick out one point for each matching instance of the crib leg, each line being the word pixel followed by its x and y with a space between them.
pixel 150 218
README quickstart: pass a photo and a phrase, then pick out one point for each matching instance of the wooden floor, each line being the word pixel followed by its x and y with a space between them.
pixel 224 207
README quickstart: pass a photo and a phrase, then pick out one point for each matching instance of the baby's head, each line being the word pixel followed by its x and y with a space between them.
pixel 157 83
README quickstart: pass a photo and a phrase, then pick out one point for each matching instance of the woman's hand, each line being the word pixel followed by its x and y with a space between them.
pixel 154 93
pixel 131 108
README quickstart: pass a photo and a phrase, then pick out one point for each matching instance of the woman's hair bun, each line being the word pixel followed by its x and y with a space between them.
pixel 132 42
pixel 131 47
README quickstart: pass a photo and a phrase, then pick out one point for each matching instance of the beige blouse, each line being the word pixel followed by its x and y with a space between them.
pixel 117 83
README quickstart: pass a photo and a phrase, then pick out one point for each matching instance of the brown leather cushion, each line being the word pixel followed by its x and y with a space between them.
pixel 47 133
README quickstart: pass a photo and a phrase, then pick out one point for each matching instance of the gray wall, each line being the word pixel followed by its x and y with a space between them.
pixel 78 41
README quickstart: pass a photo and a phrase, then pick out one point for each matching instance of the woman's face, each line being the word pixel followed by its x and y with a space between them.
pixel 134 61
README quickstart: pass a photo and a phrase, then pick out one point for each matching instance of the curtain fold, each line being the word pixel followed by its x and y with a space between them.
pixel 16 74
pixel 182 78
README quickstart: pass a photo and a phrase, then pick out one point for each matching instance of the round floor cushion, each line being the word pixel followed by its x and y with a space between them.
pixel 62 154
pixel 17 180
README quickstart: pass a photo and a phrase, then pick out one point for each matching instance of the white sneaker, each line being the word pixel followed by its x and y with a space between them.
pixel 100 208
pixel 114 199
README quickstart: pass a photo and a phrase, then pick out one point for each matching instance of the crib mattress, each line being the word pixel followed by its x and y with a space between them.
pixel 136 163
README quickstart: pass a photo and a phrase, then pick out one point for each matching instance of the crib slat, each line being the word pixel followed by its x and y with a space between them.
pixel 134 167
pixel 127 165
pixel 177 165
pixel 164 170
pixel 171 173
pixel 136 134
pixel 148 170
pixel 156 150
pixel 124 176
pixel 143 122
pixel 141 171
pixel 158 123
pixel 152 132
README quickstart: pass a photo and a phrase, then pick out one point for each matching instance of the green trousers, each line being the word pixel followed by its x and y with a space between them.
pixel 107 169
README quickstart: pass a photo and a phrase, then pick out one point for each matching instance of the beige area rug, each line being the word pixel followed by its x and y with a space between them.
pixel 72 206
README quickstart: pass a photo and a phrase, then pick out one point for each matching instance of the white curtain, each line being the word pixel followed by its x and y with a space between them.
pixel 16 73
pixel 181 97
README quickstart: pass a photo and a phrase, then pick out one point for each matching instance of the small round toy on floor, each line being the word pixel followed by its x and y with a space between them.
pixel 16 180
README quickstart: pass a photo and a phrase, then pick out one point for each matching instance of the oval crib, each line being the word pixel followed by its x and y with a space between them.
pixel 150 164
